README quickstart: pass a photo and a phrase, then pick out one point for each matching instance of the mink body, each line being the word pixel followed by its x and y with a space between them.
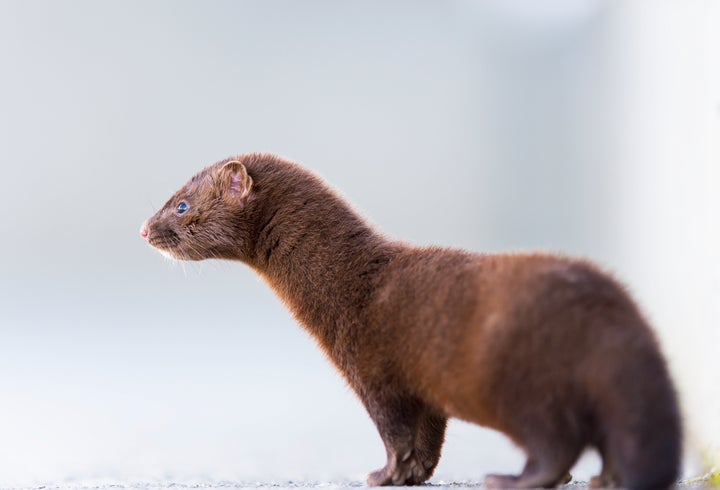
pixel 549 350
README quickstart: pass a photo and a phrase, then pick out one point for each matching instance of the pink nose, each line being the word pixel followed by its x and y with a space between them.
pixel 144 230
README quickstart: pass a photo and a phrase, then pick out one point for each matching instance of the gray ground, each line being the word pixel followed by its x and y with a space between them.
pixel 292 485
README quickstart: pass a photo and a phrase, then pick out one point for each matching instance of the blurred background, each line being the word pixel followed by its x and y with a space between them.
pixel 588 127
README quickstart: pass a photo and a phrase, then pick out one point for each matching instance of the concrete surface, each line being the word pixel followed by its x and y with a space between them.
pixel 291 485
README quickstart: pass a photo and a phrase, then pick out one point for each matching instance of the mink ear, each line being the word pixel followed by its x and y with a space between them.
pixel 236 180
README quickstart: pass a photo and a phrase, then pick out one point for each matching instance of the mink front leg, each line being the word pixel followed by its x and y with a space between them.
pixel 430 438
pixel 413 434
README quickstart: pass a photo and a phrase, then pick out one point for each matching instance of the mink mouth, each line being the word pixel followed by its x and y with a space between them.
pixel 168 243
pixel 164 240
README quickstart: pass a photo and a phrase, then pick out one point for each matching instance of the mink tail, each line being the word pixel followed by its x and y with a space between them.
pixel 642 433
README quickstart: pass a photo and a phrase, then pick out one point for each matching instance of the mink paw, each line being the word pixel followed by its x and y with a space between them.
pixel 404 471
pixel 500 481
pixel 603 480
pixel 515 481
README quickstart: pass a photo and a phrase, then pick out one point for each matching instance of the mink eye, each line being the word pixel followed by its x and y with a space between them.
pixel 181 208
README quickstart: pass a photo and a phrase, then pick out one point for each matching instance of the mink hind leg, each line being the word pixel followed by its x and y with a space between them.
pixel 413 434
pixel 549 460
pixel 608 477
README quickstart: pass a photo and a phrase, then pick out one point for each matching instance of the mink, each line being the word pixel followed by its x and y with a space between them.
pixel 547 349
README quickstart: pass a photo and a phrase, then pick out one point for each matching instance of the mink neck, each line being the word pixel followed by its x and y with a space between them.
pixel 321 258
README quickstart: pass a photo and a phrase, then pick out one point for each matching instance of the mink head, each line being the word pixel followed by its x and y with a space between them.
pixel 208 218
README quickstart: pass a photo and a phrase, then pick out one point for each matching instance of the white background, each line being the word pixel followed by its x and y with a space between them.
pixel 583 126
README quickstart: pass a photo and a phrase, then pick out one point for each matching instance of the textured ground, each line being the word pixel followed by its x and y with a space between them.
pixel 291 485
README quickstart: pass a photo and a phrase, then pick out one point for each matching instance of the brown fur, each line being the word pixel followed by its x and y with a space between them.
pixel 549 350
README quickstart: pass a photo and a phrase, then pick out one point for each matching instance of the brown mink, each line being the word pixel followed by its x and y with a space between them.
pixel 549 350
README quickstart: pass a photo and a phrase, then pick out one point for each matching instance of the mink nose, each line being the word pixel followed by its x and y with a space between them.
pixel 144 230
